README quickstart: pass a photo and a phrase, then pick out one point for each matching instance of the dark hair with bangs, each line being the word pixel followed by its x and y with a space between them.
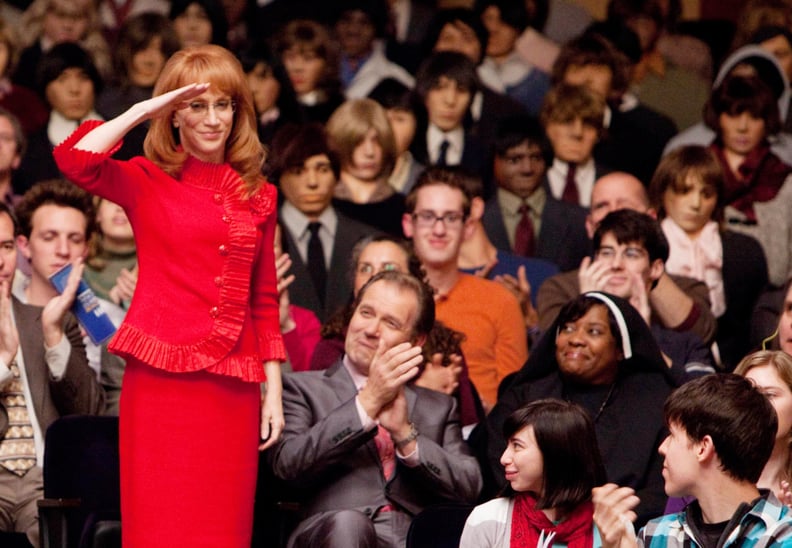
pixel 727 408
pixel 58 192
pixel 215 12
pixel 674 170
pixel 293 144
pixel 629 226
pixel 738 94
pixel 566 103
pixel 565 435
pixel 579 306
pixel 516 130
pixel 453 17
pixel 454 66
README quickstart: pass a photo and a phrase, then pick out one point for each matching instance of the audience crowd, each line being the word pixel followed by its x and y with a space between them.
pixel 548 206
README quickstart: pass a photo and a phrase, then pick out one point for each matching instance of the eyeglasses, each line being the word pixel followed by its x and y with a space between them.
pixel 629 253
pixel 201 108
pixel 427 219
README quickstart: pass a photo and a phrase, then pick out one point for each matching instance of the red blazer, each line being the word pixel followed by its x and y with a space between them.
pixel 206 296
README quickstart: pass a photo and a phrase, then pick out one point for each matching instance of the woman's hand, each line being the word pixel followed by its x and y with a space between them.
pixel 272 421
pixel 282 265
pixel 167 102
pixel 124 288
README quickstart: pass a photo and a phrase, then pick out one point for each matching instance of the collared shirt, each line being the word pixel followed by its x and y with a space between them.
pixel 766 523
pixel 59 127
pixel 510 205
pixel 57 358
pixel 585 176
pixel 359 380
pixel 297 224
pixel 513 70
pixel 456 143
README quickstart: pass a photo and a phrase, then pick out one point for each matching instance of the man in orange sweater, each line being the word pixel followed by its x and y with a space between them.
pixel 437 214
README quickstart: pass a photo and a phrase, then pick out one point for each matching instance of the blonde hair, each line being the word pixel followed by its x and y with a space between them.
pixel 782 362
pixel 350 122
pixel 219 67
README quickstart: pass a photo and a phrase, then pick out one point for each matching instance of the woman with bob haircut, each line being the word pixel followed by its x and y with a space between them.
pixel 552 463
pixel 202 332
pixel 360 134
pixel 744 114
pixel 310 56
pixel 687 191
pixel 771 372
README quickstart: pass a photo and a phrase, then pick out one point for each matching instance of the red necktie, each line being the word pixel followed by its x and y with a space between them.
pixel 387 452
pixel 524 236
pixel 570 189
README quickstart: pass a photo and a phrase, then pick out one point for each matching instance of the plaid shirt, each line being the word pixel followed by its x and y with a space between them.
pixel 767 523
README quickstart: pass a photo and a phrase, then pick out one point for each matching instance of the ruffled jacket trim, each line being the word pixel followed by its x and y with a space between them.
pixel 214 352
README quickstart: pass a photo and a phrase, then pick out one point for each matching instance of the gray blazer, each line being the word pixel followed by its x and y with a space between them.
pixel 325 450
pixel 77 392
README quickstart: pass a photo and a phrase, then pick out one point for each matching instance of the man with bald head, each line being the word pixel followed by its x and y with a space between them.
pixel 677 302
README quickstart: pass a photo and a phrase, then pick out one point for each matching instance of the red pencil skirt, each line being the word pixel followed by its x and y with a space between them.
pixel 189 458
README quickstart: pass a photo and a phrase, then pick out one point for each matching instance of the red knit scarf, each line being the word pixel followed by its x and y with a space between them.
pixel 576 530
pixel 759 178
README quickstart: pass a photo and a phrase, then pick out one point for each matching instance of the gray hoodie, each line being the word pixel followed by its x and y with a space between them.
pixel 700 134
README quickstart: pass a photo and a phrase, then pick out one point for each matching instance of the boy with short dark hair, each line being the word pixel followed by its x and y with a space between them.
pixel 721 433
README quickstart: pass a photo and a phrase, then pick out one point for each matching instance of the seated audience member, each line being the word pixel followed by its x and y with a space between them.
pixel 310 57
pixel 687 192
pixel 523 217
pixel 44 374
pixel 445 86
pixel 111 264
pixel 444 369
pixel 601 355
pixel 12 149
pixel 48 23
pixel 57 222
pixel 359 28
pixel 462 31
pixel 658 80
pixel 677 302
pixel 112 15
pixel 480 257
pixel 721 434
pixel 360 134
pixel 572 117
pixel 199 22
pixel 145 42
pixel 369 450
pixel 70 82
pixel 635 135
pixel 316 236
pixel 22 101
pixel 757 195
pixel 273 95
pixel 505 20
pixel 552 462
pixel 397 100
pixel 771 372
pixel 747 61
pixel 438 210
pixel 630 251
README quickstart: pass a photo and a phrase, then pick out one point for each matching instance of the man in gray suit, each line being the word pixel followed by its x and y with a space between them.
pixel 318 239
pixel 369 450
pixel 44 374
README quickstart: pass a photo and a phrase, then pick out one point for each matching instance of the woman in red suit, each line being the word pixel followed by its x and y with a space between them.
pixel 202 332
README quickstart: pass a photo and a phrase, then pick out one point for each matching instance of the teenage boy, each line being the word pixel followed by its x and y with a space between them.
pixel 721 433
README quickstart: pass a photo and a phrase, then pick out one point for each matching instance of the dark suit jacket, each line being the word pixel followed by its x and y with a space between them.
pixel 325 451
pixel 562 238
pixel 339 285
pixel 77 392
